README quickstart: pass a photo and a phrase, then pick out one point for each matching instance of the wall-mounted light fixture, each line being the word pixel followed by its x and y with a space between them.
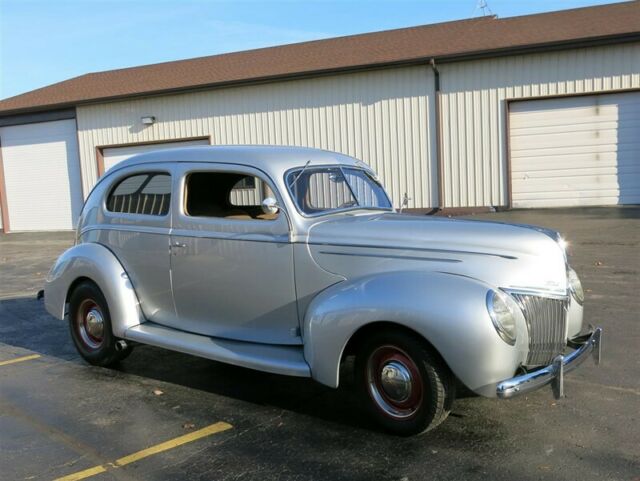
pixel 148 120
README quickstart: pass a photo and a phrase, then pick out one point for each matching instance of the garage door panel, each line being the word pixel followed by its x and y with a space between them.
pixel 569 193
pixel 42 176
pixel 549 120
pixel 587 183
pixel 586 127
pixel 566 142
pixel 608 174
pixel 609 196
pixel 575 107
pixel 620 153
pixel 568 162
pixel 599 200
pixel 574 151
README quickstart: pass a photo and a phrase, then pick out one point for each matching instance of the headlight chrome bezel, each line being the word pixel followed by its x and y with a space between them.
pixel 502 316
pixel 575 286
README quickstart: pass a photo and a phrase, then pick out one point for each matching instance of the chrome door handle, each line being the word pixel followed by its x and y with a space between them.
pixel 178 244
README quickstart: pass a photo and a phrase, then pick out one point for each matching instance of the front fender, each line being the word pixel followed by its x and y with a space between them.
pixel 100 265
pixel 448 310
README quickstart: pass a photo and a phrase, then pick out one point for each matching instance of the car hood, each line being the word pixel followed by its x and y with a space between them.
pixel 507 255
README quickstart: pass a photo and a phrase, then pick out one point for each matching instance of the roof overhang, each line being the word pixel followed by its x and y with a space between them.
pixel 467 56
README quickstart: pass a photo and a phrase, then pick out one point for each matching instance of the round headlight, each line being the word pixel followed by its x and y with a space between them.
pixel 502 316
pixel 575 286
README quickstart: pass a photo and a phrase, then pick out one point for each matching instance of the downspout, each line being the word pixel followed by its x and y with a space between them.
pixel 438 127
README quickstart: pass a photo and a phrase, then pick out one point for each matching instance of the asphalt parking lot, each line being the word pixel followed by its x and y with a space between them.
pixel 167 416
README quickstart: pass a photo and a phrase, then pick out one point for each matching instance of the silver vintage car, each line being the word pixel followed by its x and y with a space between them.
pixel 289 260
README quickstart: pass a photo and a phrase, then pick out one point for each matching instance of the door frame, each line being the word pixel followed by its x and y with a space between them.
pixel 100 148
pixel 4 208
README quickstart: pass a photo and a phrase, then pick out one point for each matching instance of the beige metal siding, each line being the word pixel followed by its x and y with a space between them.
pixel 474 130
pixel 384 118
pixel 247 196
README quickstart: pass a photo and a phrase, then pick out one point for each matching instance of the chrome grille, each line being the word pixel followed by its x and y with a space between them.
pixel 547 322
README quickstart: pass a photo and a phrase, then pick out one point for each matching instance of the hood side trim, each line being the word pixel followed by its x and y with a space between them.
pixel 391 256
pixel 415 249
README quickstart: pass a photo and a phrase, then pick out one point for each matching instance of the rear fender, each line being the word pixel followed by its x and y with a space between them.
pixel 447 310
pixel 98 264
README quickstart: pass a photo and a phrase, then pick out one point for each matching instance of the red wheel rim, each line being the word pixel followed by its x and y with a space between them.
pixel 90 324
pixel 394 382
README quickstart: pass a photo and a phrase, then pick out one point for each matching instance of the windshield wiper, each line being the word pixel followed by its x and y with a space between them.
pixel 299 174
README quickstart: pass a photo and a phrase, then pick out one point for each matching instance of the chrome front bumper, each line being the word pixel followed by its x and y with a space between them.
pixel 554 373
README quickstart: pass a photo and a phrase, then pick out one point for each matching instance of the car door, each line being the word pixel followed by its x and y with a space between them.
pixel 135 226
pixel 231 265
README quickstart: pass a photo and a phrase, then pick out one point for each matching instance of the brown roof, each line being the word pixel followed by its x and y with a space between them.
pixel 442 41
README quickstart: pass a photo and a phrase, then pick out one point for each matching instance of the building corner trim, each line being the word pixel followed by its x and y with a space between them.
pixel 4 208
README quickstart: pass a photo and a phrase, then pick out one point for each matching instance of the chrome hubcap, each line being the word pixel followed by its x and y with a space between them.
pixel 90 324
pixel 395 380
pixel 94 323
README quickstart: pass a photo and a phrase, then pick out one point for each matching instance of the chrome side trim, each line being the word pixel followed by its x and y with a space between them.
pixel 232 236
pixel 136 228
pixel 415 249
pixel 391 256
pixel 554 372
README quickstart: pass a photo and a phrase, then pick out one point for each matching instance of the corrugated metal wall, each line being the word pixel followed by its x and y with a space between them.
pixel 384 118
pixel 473 109
pixel 248 196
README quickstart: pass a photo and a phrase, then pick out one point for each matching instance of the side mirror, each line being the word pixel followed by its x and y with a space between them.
pixel 270 206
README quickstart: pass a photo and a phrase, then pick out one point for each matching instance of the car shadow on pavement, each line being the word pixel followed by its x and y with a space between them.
pixel 25 323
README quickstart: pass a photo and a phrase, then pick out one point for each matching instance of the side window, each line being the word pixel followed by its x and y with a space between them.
pixel 147 194
pixel 227 195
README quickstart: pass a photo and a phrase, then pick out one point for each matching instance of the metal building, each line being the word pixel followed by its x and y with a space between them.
pixel 532 111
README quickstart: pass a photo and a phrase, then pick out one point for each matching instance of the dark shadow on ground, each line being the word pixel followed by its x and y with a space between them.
pixel 24 323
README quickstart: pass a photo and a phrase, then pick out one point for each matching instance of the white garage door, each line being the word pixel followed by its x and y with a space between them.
pixel 117 154
pixel 42 175
pixel 576 151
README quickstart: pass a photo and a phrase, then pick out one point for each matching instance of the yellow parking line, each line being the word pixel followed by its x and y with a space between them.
pixel 145 453
pixel 87 473
pixel 19 359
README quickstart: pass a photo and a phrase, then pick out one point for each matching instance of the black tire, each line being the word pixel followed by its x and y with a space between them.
pixel 418 388
pixel 97 346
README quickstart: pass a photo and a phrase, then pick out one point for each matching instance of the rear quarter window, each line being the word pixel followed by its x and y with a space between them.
pixel 145 194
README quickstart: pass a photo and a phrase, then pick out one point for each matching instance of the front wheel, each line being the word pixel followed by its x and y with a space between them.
pixel 404 385
pixel 90 326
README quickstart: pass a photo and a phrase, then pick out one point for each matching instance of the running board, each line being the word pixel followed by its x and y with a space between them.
pixel 288 360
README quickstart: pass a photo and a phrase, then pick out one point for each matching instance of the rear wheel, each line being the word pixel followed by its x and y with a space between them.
pixel 90 326
pixel 403 384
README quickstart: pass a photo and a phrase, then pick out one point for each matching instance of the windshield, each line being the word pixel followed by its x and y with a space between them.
pixel 320 190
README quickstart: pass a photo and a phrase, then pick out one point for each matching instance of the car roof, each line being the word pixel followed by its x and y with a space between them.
pixel 274 160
